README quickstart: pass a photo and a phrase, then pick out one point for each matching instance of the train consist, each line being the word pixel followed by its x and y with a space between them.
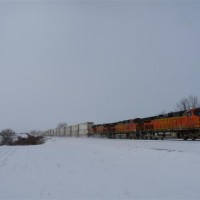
pixel 183 124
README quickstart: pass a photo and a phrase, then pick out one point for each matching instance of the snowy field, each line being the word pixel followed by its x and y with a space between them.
pixel 94 168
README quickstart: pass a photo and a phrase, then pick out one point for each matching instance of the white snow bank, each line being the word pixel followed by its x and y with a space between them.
pixel 93 168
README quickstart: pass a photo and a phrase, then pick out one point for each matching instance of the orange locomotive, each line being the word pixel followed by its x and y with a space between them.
pixel 186 125
pixel 183 124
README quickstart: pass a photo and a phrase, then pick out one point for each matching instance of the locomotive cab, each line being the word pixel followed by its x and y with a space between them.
pixel 197 112
pixel 193 112
pixel 192 123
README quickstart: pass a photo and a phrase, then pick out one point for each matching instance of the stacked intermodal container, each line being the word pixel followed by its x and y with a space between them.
pixel 83 129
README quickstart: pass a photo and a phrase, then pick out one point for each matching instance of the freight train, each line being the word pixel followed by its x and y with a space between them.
pixel 182 124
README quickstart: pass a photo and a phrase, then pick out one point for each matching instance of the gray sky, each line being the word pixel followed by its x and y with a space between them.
pixel 101 61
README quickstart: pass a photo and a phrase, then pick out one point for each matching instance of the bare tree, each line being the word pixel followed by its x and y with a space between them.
pixel 188 103
pixel 183 104
pixel 6 136
pixel 61 125
pixel 194 102
pixel 163 112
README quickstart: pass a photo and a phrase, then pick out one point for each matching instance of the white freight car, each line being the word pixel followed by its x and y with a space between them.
pixel 74 130
pixel 85 128
pixel 82 129
pixel 68 131
pixel 62 131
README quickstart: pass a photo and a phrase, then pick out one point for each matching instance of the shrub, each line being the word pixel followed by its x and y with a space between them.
pixel 30 140
pixel 6 136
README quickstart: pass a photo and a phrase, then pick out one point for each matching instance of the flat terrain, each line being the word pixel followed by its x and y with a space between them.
pixel 94 168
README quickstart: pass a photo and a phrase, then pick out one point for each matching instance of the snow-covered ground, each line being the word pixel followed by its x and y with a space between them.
pixel 94 168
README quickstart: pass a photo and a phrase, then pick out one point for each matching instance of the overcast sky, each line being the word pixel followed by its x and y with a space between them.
pixel 100 61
